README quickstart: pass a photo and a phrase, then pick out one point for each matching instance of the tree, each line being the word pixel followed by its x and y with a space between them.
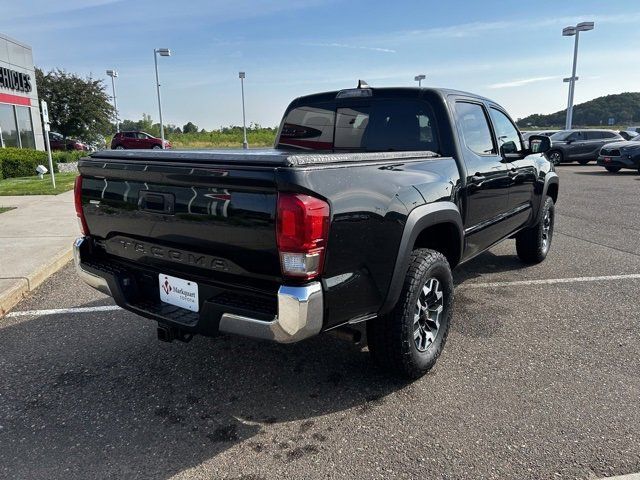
pixel 77 106
pixel 190 128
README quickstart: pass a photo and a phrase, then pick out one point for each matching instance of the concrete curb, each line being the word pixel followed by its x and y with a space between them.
pixel 11 296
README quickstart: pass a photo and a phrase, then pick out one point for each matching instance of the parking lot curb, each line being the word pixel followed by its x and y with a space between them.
pixel 20 287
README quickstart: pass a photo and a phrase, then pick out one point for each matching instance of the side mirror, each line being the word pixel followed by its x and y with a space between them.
pixel 508 148
pixel 539 144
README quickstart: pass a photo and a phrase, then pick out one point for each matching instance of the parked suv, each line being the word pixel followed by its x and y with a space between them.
pixel 580 145
pixel 626 154
pixel 137 140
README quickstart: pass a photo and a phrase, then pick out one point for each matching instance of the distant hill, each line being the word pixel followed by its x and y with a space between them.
pixel 624 108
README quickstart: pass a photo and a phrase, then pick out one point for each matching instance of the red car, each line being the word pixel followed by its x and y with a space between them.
pixel 136 140
pixel 58 142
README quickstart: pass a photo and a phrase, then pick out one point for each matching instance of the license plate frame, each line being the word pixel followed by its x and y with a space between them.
pixel 179 292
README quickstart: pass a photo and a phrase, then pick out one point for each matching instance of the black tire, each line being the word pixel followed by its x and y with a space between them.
pixel 613 169
pixel 393 338
pixel 555 157
pixel 156 147
pixel 583 162
pixel 533 244
pixel 119 147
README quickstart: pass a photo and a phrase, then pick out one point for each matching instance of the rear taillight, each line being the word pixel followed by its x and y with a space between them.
pixel 77 198
pixel 303 231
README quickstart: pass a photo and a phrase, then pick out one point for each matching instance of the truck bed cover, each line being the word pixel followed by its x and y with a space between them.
pixel 258 157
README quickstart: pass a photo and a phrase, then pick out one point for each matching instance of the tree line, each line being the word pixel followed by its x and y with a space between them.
pixel 81 107
pixel 622 108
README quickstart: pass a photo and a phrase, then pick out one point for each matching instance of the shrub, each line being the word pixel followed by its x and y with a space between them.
pixel 68 156
pixel 22 162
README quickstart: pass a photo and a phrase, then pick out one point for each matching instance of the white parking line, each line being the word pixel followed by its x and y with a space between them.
pixel 58 311
pixel 630 476
pixel 551 281
pixel 547 281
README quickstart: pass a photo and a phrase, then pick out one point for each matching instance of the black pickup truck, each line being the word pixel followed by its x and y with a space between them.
pixel 351 223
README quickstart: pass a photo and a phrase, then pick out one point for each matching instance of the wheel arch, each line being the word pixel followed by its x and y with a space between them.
pixel 437 226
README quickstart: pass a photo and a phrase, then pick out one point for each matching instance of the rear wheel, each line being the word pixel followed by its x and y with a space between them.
pixel 614 169
pixel 555 157
pixel 583 162
pixel 119 147
pixel 408 340
pixel 534 243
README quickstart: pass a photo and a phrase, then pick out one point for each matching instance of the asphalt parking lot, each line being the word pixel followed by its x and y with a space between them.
pixel 540 378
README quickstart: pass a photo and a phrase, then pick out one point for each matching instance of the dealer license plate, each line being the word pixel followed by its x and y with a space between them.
pixel 179 292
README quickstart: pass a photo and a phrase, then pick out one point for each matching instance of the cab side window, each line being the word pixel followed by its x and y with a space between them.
pixel 475 128
pixel 506 131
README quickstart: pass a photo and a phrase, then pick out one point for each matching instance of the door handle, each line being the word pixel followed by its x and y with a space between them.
pixel 477 178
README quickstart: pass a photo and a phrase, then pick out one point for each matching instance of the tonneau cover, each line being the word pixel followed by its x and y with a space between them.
pixel 262 157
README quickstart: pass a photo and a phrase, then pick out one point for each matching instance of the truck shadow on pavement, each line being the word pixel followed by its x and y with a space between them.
pixel 487 263
pixel 96 395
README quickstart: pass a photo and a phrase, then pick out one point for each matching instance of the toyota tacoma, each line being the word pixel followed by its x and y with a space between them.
pixel 351 223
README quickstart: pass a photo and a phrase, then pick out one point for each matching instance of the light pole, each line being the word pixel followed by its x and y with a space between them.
pixel 419 78
pixel 163 52
pixel 113 74
pixel 245 144
pixel 570 32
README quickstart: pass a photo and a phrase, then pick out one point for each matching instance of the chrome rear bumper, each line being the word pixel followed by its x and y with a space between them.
pixel 300 309
pixel 300 312
pixel 90 279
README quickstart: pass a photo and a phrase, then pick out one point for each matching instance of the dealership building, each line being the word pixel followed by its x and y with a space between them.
pixel 20 124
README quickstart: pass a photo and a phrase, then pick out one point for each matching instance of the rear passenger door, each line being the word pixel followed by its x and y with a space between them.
pixel 522 169
pixel 597 139
pixel 487 182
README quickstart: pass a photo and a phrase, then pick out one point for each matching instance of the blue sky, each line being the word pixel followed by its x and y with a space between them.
pixel 510 51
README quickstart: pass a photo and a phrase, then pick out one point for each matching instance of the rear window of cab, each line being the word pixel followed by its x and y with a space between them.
pixel 378 125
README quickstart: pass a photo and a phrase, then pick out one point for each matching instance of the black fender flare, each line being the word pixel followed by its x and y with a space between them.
pixel 419 218
pixel 551 178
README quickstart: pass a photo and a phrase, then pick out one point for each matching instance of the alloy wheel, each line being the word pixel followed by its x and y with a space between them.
pixel 547 230
pixel 426 320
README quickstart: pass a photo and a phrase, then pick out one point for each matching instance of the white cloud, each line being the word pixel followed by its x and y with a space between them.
pixel 521 83
pixel 354 47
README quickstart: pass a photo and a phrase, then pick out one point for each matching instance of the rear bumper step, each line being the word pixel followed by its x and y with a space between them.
pixel 299 308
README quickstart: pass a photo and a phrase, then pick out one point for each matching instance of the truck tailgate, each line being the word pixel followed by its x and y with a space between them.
pixel 207 220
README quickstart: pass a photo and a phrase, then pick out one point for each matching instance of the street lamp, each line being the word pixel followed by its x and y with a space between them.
pixel 113 74
pixel 570 32
pixel 163 52
pixel 245 144
pixel 419 78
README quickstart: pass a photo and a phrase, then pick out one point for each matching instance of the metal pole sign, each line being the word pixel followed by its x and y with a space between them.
pixel 45 121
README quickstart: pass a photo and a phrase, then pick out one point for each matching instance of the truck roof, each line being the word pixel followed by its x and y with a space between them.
pixel 390 92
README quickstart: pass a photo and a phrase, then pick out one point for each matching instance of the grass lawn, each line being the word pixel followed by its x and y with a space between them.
pixel 35 186
pixel 6 209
